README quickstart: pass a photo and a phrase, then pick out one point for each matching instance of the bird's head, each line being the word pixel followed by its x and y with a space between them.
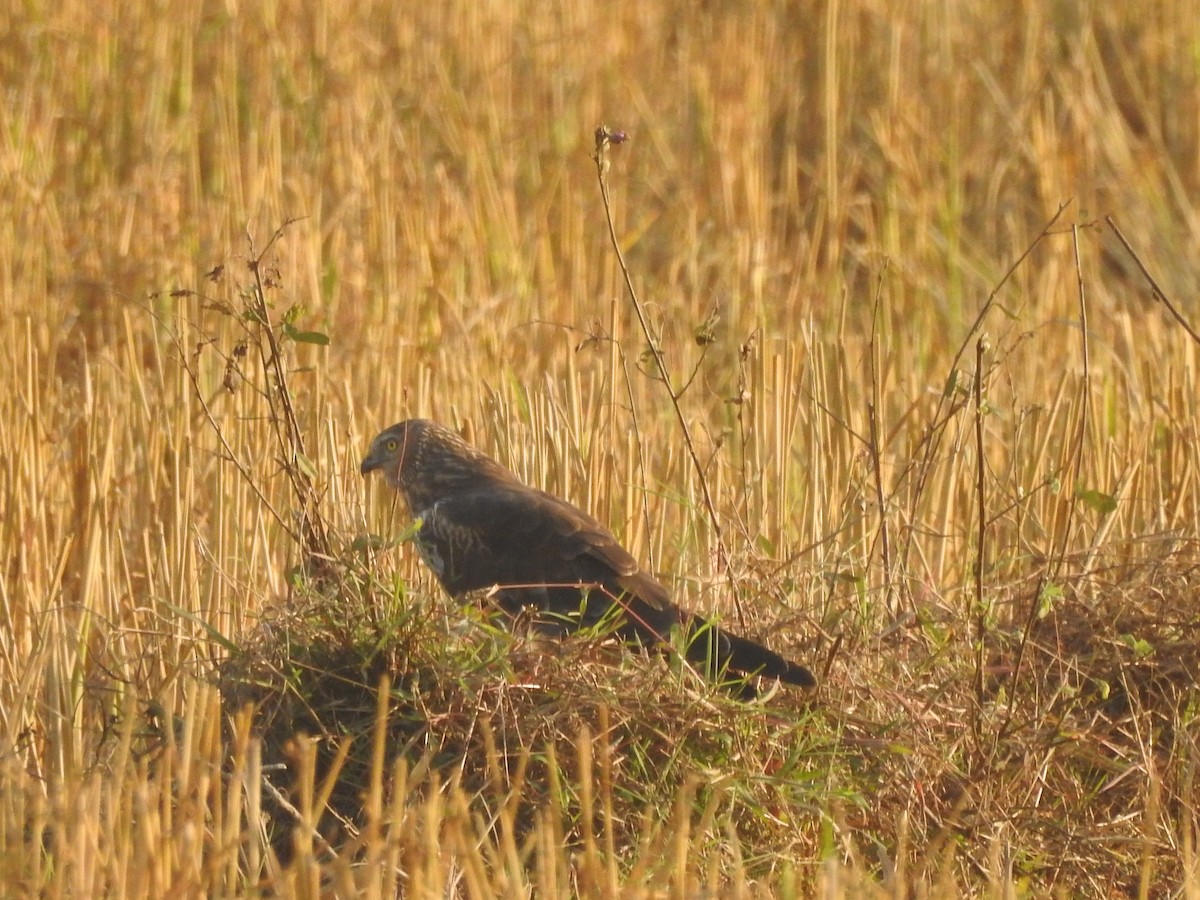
pixel 426 461
pixel 393 451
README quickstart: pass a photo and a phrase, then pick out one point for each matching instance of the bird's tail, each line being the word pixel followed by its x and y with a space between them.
pixel 718 652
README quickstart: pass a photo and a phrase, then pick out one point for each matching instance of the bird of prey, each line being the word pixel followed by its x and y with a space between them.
pixel 482 528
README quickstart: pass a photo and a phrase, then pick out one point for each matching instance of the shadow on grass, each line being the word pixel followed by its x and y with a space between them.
pixel 521 723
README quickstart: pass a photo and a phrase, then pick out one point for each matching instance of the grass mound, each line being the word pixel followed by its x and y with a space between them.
pixel 526 726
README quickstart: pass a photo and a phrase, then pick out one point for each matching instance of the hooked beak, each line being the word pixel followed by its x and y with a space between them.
pixel 372 462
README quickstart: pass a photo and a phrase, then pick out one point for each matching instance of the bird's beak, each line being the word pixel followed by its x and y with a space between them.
pixel 372 462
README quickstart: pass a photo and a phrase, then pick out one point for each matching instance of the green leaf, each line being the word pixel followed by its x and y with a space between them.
pixel 1051 593
pixel 951 384
pixel 411 531
pixel 1009 314
pixel 374 542
pixel 1098 500
pixel 210 630
pixel 305 337
pixel 306 465
pixel 1141 648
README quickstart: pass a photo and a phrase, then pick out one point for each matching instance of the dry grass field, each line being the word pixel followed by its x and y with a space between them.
pixel 922 281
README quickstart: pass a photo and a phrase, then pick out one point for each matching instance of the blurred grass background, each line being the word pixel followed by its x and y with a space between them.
pixel 816 201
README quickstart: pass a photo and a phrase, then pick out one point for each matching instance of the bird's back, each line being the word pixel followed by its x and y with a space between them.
pixel 537 548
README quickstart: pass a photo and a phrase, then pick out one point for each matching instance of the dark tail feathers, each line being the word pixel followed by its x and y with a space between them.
pixel 719 653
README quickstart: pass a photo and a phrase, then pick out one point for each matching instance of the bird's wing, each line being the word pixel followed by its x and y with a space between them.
pixel 509 534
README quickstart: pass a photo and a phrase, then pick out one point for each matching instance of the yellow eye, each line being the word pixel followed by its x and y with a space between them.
pixel 391 445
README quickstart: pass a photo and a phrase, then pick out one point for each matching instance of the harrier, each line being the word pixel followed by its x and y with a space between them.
pixel 481 527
